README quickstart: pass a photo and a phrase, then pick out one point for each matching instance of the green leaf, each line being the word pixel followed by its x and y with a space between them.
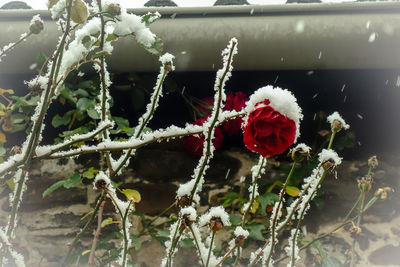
pixel 292 191
pixel 255 231
pixel 106 222
pixel 111 37
pixel 89 174
pixel 100 54
pixel 132 195
pixel 121 122
pixel 235 219
pixel 187 243
pixel 157 47
pixel 57 120
pixel 81 92
pixel 163 233
pixel 136 242
pixel 331 262
pixel 79 12
pixel 267 199
pixel 92 113
pixel 84 104
pixel 72 180
pixel 150 18
pixel 52 188
pixel 18 118
pixel 41 58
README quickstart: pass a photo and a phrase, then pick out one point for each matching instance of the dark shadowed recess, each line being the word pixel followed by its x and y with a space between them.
pixel 367 99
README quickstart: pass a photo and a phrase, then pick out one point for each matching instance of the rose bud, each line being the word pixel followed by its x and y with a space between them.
pixel 373 162
pixel 114 9
pixel 337 122
pixel 36 25
pixel 300 152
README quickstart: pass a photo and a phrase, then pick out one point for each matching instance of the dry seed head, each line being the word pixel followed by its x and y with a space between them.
pixel 373 162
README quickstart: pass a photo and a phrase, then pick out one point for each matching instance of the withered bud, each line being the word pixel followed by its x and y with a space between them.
pixel 114 10
pixel 100 184
pixel 336 126
pixel 183 201
pixel 299 153
pixel 355 232
pixel 35 89
pixel 168 66
pixel 328 164
pixel 16 150
pixel 186 220
pixel 36 26
pixel 239 240
pixel 383 193
pixel 364 184
pixel 373 162
pixel 216 224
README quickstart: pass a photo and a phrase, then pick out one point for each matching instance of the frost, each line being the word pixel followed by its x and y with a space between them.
pixel 335 116
pixel 35 19
pixel 289 248
pixel 7 246
pixel 282 100
pixel 302 147
pixel 101 176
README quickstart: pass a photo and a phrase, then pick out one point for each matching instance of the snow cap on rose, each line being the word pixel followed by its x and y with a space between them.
pixel 273 121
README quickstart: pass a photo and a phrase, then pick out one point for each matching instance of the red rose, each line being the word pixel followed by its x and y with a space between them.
pixel 234 102
pixel 194 144
pixel 267 131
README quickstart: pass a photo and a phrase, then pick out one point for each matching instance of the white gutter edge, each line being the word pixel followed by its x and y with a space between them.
pixel 357 35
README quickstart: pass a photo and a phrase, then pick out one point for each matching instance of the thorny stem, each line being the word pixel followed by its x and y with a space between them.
pixel 97 233
pixel 124 218
pixel 145 121
pixel 254 184
pixel 213 124
pixel 372 201
pixel 210 249
pixel 227 255
pixel 35 133
pixel 197 244
pixel 174 242
pixel 301 217
pixel 275 219
pixel 2 53
pixel 84 229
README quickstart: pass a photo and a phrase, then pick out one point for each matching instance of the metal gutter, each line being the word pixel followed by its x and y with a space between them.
pixel 356 35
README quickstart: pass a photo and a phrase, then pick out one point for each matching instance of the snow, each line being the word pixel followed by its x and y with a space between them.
pixel 239 231
pixel 190 212
pixel 101 176
pixel 329 155
pixel 217 212
pixel 289 248
pixel 281 100
pixel 57 9
pixel 302 147
pixel 5 244
pixel 335 116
